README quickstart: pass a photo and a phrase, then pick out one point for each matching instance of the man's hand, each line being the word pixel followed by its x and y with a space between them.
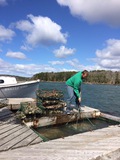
pixel 79 99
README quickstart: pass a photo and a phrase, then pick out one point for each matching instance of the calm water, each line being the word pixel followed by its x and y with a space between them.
pixel 106 98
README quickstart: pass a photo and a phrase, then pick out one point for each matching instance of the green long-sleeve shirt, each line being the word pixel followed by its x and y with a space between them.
pixel 75 82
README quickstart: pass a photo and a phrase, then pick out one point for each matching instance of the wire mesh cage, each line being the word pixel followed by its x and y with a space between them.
pixel 48 103
pixel 51 101
pixel 49 94
pixel 28 110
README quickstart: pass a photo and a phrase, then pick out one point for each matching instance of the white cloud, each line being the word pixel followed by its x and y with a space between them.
pixel 24 69
pixel 112 64
pixel 74 62
pixel 63 52
pixel 72 65
pixel 107 11
pixel 109 57
pixel 56 62
pixel 6 34
pixel 24 25
pixel 26 47
pixel 3 2
pixel 4 67
pixel 18 55
pixel 111 51
pixel 41 30
pixel 31 69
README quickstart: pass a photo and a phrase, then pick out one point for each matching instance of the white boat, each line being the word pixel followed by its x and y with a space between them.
pixel 10 88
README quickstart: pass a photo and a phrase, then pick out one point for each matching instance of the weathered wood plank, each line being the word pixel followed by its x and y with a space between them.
pixel 13 139
pixel 14 135
pixel 13 130
pixel 2 126
pixel 30 139
pixel 7 128
pixel 37 140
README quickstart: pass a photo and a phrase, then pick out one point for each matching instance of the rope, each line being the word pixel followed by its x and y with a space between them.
pixel 79 111
pixel 70 118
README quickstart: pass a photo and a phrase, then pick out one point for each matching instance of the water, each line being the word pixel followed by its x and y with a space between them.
pixel 48 133
pixel 106 98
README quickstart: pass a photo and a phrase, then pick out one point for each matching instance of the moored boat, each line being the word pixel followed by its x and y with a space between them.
pixel 10 88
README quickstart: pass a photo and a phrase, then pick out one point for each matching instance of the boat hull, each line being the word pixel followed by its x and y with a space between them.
pixel 21 90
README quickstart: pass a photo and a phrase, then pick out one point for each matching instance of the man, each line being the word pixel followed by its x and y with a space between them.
pixel 74 88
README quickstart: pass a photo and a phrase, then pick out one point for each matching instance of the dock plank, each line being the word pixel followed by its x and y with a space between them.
pixel 13 134
pixel 10 131
pixel 30 139
pixel 37 140
pixel 88 146
pixel 2 126
pixel 7 128
pixel 17 139
pixel 92 145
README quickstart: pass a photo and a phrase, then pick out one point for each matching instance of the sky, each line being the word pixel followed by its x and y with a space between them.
pixel 59 35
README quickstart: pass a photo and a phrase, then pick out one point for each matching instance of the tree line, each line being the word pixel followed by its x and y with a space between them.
pixel 96 76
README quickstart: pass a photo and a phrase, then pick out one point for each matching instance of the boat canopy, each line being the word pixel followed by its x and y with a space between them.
pixel 5 80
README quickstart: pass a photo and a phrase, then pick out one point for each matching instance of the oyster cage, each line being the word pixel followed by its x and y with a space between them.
pixel 48 103
pixel 28 111
pixel 50 99
pixel 49 94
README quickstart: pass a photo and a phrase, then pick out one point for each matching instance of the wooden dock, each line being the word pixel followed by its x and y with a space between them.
pixel 18 142
pixel 101 144
pixel 13 134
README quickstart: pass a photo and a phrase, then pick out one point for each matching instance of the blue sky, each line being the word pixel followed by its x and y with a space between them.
pixel 59 35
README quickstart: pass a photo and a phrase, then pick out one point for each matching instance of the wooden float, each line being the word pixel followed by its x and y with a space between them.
pixel 56 119
pixel 52 114
pixel 85 113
